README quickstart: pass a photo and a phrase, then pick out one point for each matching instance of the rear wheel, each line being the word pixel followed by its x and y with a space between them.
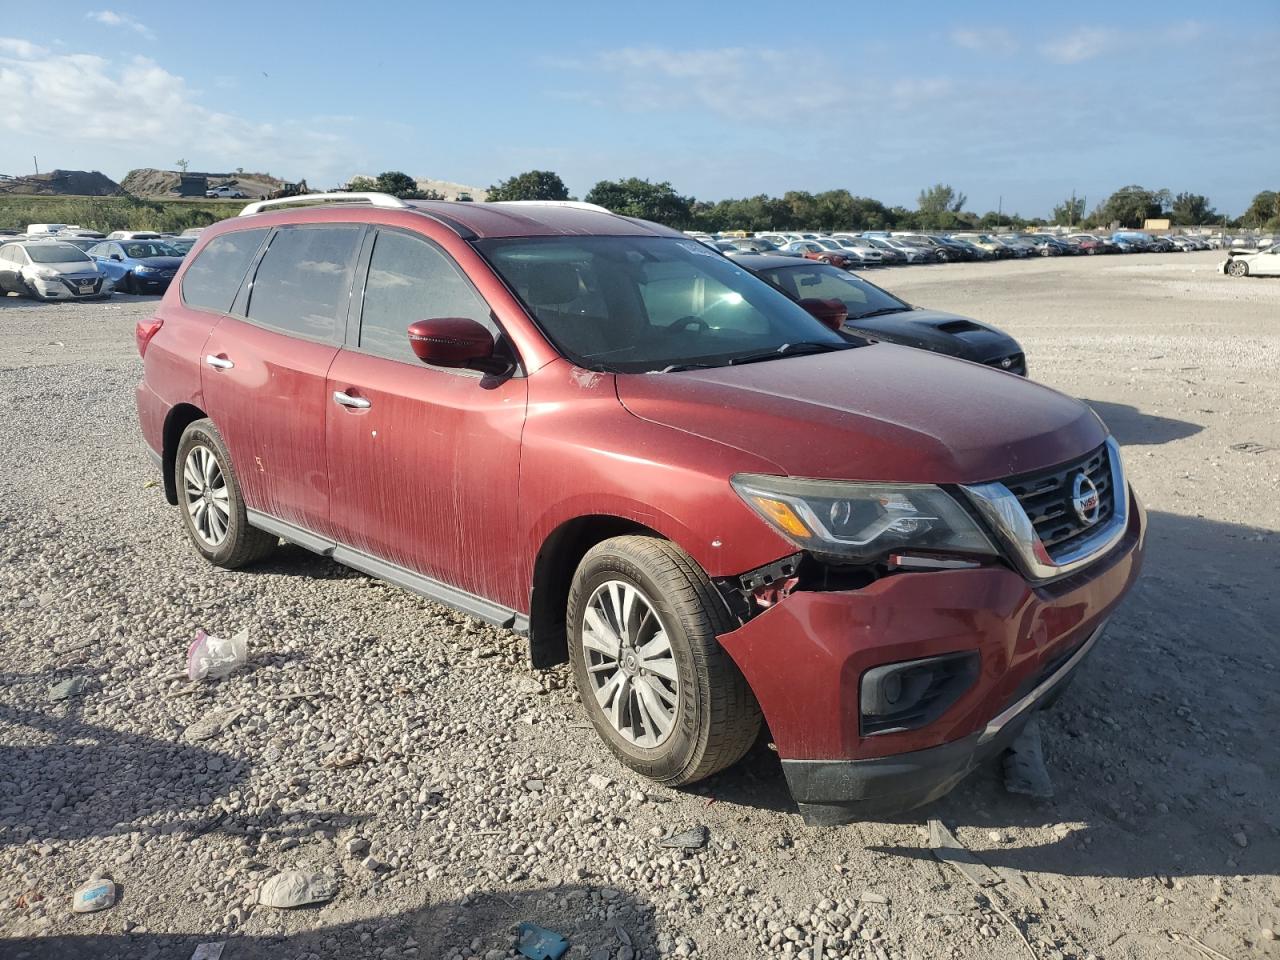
pixel 126 283
pixel 213 511
pixel 659 689
pixel 1238 268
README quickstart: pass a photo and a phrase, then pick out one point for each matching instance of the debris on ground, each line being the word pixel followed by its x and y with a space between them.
pixel 211 657
pixel 1024 768
pixel 211 724
pixel 67 689
pixel 208 951
pixel 342 761
pixel 94 896
pixel 296 888
pixel 951 851
pixel 539 943
pixel 694 838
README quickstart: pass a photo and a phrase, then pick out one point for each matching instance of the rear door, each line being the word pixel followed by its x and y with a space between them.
pixel 10 262
pixel 423 461
pixel 264 368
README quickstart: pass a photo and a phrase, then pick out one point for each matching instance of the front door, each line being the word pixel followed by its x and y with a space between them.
pixel 264 375
pixel 423 461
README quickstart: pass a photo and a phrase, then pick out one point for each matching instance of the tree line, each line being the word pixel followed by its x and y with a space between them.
pixel 939 207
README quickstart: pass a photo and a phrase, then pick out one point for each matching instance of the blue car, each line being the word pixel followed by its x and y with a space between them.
pixel 137 266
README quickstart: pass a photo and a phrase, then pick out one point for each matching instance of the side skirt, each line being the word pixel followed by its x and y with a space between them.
pixel 468 603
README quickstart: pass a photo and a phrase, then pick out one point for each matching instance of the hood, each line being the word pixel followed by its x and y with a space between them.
pixel 936 330
pixel 69 267
pixel 881 412
pixel 159 263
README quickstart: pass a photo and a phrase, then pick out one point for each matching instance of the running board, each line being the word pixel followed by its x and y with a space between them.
pixel 468 603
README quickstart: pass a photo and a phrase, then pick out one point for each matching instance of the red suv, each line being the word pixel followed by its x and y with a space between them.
pixel 606 436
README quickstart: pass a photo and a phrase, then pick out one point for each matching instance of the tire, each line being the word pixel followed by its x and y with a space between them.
pixel 712 717
pixel 1237 268
pixel 239 543
pixel 126 283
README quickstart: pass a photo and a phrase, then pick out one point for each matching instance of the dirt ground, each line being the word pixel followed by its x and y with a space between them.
pixel 486 799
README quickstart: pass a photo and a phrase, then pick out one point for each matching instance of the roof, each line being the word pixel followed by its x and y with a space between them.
pixel 537 220
pixel 771 261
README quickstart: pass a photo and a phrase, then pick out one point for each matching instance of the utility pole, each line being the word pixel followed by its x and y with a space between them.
pixel 35 163
pixel 999 211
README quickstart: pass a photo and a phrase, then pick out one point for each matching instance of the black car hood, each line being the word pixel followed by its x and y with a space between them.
pixel 940 332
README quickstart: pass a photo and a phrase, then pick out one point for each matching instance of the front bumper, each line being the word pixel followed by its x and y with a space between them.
pixel 151 282
pixel 804 658
pixel 836 791
pixel 69 287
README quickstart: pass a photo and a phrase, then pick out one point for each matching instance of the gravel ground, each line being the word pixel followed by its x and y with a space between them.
pixel 409 752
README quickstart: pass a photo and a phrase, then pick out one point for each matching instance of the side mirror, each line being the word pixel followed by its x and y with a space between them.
pixel 832 313
pixel 455 342
pixel 116 256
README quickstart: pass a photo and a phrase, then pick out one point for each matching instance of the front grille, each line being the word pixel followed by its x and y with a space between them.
pixel 1046 496
pixel 1017 363
pixel 73 284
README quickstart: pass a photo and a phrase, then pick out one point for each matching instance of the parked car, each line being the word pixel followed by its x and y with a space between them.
pixel 1265 263
pixel 81 233
pixel 974 251
pixel 813 250
pixel 133 235
pixel 888 255
pixel 192 232
pixel 181 245
pixel 1183 244
pixel 865 254
pixel 1091 244
pixel 987 243
pixel 1047 246
pixel 877 314
pixel 225 192
pixel 724 511
pixel 912 252
pixel 137 266
pixel 45 229
pixel 1020 247
pixel 754 245
pixel 50 270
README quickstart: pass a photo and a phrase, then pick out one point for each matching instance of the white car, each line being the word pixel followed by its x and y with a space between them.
pixel 1263 264
pixel 50 270
pixel 224 193
pixel 133 235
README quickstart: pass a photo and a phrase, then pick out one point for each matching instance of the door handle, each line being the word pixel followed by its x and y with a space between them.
pixel 346 400
pixel 222 363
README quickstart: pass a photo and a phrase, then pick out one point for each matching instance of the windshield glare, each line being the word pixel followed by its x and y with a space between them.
pixel 825 282
pixel 643 304
pixel 142 250
pixel 55 253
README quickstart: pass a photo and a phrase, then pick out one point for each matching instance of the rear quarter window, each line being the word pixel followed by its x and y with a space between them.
pixel 212 279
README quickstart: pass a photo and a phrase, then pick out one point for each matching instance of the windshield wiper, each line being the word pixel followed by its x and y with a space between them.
pixel 879 313
pixel 677 367
pixel 791 350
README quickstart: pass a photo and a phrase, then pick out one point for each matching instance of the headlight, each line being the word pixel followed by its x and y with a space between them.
pixel 144 269
pixel 44 273
pixel 862 522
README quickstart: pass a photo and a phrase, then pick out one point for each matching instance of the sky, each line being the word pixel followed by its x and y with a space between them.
pixel 1017 105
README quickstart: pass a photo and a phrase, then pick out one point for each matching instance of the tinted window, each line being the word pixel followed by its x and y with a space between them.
pixel 215 275
pixel 303 282
pixel 409 279
pixel 823 282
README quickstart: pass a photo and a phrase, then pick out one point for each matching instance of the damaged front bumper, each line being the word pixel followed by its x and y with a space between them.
pixel 805 658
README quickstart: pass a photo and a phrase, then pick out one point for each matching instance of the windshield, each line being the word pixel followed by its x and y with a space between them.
pixel 149 248
pixel 825 282
pixel 829 244
pixel 643 304
pixel 54 253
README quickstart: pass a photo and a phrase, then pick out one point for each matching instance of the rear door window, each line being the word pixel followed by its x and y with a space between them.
pixel 215 275
pixel 411 280
pixel 303 283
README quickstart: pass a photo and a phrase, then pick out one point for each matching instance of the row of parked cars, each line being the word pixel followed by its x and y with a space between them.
pixel 873 249
pixel 62 262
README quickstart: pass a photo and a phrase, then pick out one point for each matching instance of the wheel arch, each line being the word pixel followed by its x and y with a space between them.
pixel 175 422
pixel 556 563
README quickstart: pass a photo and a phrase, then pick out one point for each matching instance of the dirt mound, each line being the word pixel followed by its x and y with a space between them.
pixel 77 183
pixel 150 182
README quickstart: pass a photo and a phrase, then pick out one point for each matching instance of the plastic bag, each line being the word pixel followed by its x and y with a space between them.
pixel 212 657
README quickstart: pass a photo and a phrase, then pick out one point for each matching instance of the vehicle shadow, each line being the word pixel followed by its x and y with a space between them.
pixel 1162 751
pixel 1132 427
pixel 490 917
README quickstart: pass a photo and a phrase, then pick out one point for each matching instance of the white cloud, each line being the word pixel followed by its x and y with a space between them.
pixel 112 19
pixel 20 49
pixel 174 123
pixel 989 40
pixel 1083 43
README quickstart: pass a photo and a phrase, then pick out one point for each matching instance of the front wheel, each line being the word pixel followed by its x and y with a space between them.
pixel 213 511
pixel 1238 268
pixel 659 689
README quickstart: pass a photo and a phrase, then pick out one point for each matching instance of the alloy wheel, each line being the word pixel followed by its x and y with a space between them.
pixel 205 494
pixel 630 663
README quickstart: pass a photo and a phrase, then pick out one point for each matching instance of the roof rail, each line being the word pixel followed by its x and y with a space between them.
pixel 576 204
pixel 375 199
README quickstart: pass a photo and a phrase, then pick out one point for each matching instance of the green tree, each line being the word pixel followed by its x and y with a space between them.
pixel 393 182
pixel 634 197
pixel 1069 212
pixel 530 185
pixel 1130 206
pixel 362 185
pixel 182 165
pixel 1191 209
pixel 1264 208
pixel 939 206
